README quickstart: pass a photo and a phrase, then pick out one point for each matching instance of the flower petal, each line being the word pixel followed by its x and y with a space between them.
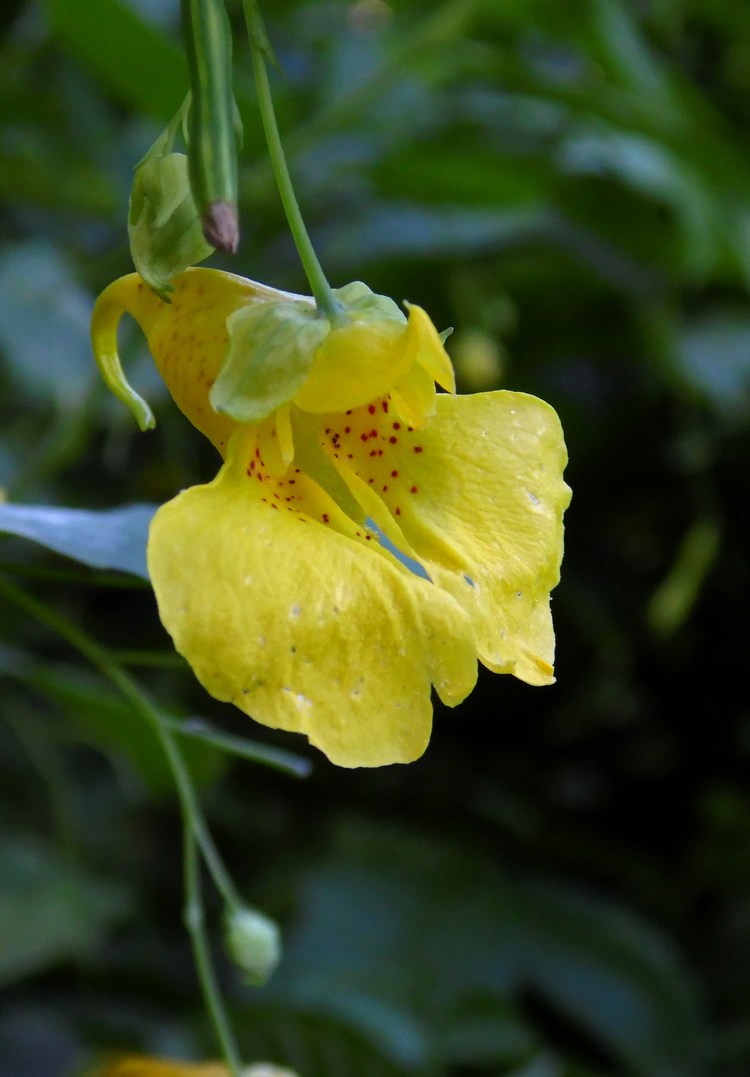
pixel 428 348
pixel 141 1066
pixel 478 496
pixel 357 361
pixel 290 610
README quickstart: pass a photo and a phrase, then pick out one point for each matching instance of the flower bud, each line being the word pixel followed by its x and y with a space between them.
pixel 252 941
pixel 166 234
pixel 266 1069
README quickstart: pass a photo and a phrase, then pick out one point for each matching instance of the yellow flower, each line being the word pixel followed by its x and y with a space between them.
pixel 278 581
pixel 141 1066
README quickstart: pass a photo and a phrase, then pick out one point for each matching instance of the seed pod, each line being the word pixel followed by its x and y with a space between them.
pixel 211 128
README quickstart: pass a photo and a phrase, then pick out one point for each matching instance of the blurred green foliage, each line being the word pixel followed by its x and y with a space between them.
pixel 560 887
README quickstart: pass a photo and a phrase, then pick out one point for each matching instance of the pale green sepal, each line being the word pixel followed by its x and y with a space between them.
pixel 361 302
pixel 165 231
pixel 270 352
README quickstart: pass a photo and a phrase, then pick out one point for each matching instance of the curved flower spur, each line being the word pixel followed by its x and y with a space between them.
pixel 366 536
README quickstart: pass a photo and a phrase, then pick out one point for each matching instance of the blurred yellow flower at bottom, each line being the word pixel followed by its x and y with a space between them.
pixel 142 1066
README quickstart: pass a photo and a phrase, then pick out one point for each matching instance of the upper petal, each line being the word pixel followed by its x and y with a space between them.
pixel 287 608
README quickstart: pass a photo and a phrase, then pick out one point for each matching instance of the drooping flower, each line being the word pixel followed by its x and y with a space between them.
pixel 367 536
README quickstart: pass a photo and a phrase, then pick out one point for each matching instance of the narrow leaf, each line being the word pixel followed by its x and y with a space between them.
pixel 108 539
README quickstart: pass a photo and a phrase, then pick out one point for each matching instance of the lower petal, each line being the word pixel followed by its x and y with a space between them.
pixel 487 523
pixel 478 496
pixel 294 614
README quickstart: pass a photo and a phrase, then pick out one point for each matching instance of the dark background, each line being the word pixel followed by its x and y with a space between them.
pixel 559 888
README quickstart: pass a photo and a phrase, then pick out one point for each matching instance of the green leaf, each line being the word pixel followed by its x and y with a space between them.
pixel 44 324
pixel 713 356
pixel 50 911
pixel 614 977
pixel 401 230
pixel 131 57
pixel 105 539
pixel 100 716
pixel 483 942
pixel 242 747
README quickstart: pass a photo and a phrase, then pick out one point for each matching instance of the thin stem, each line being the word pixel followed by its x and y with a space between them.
pixel 191 812
pixel 195 922
pixel 321 289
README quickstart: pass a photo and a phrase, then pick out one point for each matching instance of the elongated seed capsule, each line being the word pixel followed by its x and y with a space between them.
pixel 212 150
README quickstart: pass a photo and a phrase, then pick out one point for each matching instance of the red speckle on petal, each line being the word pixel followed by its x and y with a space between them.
pixel 371 409
pixel 394 474
pixel 398 511
pixel 393 440
pixel 396 426
pixel 384 406
pixel 418 448
pixel 347 430
pixel 325 518
pixel 364 437
pixel 413 490
pixel 384 489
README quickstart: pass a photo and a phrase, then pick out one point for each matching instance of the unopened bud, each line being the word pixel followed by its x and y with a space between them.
pixel 253 942
pixel 266 1069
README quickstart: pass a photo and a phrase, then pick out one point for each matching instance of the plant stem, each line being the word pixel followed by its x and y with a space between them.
pixel 195 923
pixel 321 289
pixel 191 813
